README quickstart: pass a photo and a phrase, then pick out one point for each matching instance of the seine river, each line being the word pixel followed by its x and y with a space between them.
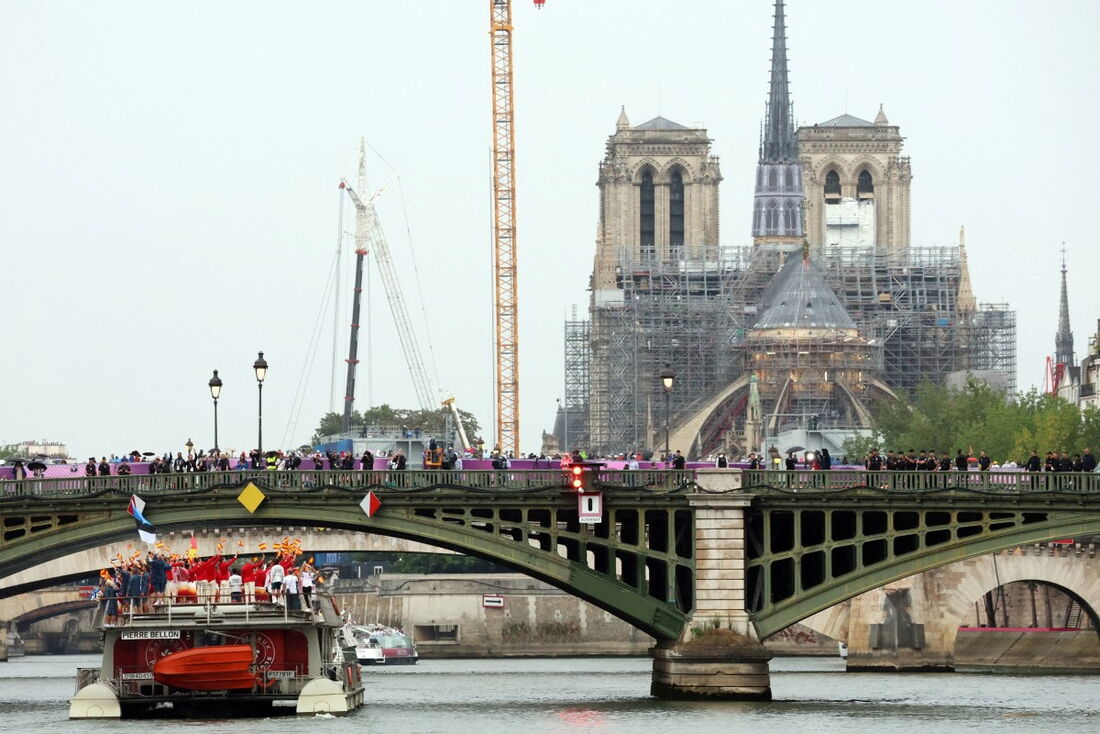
pixel 605 695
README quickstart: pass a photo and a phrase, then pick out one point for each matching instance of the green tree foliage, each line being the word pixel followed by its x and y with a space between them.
pixel 979 418
pixel 431 422
pixel 10 451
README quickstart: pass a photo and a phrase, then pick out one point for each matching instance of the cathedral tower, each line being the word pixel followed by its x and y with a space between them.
pixel 658 197
pixel 777 206
pixel 857 184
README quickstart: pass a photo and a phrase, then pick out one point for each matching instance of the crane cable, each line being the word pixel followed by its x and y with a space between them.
pixel 298 402
pixel 416 268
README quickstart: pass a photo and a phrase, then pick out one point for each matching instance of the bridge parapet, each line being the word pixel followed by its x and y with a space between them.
pixel 987 482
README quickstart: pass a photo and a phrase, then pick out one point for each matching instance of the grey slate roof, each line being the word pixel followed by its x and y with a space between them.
pixel 846 120
pixel 798 296
pixel 660 123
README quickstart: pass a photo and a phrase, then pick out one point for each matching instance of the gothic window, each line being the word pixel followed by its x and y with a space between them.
pixel 788 179
pixel 676 213
pixel 832 185
pixel 758 218
pixel 773 218
pixel 865 186
pixel 788 219
pixel 771 178
pixel 647 226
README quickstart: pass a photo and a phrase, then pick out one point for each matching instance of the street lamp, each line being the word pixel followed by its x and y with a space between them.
pixel 189 446
pixel 260 366
pixel 215 392
pixel 667 376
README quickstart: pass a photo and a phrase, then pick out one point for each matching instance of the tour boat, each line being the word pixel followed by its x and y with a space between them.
pixel 374 644
pixel 223 658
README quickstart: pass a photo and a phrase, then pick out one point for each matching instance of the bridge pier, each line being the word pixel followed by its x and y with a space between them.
pixel 718 657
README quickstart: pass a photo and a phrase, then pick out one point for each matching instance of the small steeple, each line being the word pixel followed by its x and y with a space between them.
pixel 779 143
pixel 965 300
pixel 880 118
pixel 1063 340
pixel 623 123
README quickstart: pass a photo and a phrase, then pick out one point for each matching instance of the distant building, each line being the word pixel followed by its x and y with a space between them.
pixel 50 449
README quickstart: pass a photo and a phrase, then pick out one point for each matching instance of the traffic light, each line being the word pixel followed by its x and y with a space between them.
pixel 579 478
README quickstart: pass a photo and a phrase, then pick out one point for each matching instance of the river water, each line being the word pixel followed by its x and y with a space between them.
pixel 609 696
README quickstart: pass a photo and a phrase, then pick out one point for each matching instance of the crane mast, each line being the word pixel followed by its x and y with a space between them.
pixel 369 236
pixel 504 228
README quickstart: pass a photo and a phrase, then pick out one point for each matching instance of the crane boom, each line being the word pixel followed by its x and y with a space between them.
pixel 369 236
pixel 504 227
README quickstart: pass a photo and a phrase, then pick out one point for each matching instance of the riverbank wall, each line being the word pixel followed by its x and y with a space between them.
pixel 1022 647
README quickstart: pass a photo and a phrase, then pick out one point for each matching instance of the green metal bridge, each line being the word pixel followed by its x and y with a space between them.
pixel 810 539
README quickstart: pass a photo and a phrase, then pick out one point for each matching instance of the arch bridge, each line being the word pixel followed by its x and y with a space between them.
pixel 707 562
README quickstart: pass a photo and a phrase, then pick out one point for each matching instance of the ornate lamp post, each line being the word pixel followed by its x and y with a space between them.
pixel 189 446
pixel 215 393
pixel 260 366
pixel 667 377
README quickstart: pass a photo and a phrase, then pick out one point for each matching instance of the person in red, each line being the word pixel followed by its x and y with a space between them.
pixel 248 580
pixel 221 579
pixel 259 576
pixel 204 573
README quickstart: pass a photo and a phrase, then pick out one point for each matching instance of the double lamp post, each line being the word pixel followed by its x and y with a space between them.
pixel 215 385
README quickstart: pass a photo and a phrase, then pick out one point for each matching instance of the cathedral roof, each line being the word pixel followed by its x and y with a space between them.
pixel 845 120
pixel 798 297
pixel 660 123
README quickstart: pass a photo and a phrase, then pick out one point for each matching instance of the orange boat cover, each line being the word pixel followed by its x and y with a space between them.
pixel 219 668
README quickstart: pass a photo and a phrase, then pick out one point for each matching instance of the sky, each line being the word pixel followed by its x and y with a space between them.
pixel 169 171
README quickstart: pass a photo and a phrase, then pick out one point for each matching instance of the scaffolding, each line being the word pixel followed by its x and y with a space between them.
pixel 673 312
pixel 697 316
pixel 572 428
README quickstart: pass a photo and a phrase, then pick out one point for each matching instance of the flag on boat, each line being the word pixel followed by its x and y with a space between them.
pixel 144 527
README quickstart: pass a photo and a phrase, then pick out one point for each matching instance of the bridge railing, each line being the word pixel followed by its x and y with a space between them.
pixel 994 482
pixel 494 480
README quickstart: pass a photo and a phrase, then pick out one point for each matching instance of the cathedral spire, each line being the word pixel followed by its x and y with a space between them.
pixel 965 301
pixel 1063 340
pixel 779 143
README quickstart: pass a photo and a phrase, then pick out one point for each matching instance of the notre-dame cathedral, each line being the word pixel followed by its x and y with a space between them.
pixel 785 342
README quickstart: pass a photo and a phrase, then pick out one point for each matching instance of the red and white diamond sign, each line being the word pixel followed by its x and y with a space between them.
pixel 370 504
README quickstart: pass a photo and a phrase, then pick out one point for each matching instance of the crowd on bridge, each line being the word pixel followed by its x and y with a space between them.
pixel 928 460
pixel 143 583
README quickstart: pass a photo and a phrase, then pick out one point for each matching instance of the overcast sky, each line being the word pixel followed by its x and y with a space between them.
pixel 168 178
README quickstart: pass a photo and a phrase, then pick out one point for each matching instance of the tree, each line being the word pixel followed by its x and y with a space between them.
pixel 979 418
pixel 430 422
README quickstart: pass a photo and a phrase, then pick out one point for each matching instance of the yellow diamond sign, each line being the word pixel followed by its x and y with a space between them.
pixel 251 497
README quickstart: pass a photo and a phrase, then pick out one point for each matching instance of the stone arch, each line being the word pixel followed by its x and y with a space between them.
pixel 640 169
pixel 835 163
pixel 866 164
pixel 686 171
pixel 1075 578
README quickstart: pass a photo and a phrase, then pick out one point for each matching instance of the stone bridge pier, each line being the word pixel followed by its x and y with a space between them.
pixel 718 656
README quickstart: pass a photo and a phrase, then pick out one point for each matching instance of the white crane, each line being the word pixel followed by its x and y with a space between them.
pixel 369 236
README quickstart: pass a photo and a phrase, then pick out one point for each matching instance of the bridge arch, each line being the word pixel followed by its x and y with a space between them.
pixel 638 565
pixel 807 554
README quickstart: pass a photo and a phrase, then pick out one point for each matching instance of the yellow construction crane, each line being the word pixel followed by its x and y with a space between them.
pixel 504 226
